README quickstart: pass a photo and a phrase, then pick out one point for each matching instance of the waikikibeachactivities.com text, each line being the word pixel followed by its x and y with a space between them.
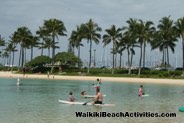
pixel 124 114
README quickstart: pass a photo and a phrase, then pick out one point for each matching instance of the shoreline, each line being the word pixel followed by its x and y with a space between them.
pixel 93 78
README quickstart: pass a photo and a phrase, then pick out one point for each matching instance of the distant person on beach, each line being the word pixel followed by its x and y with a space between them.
pixel 99 97
pixel 71 98
pixel 24 70
pixel 141 91
pixel 48 74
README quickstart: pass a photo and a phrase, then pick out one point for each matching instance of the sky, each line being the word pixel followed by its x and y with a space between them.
pixel 17 13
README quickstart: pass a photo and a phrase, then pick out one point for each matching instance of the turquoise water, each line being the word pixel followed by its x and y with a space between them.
pixel 36 101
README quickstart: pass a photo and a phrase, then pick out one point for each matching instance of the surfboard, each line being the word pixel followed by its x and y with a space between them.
pixel 145 95
pixel 181 109
pixel 81 103
pixel 91 96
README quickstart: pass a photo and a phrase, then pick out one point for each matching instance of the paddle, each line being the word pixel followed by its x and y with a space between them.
pixel 87 102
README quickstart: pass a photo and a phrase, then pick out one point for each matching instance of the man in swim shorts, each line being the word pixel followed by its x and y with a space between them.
pixel 99 98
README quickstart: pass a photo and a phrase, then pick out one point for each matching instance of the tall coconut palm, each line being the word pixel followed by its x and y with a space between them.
pixel 54 28
pixel 167 33
pixel 113 35
pixel 143 34
pixel 5 55
pixel 130 40
pixel 11 49
pixel 33 43
pixel 23 36
pixel 13 41
pixel 92 34
pixel 2 43
pixel 76 38
pixel 179 26
pixel 48 43
pixel 41 34
pixel 128 45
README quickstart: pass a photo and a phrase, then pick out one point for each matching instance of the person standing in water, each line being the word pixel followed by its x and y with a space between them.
pixel 141 91
pixel 71 98
pixel 97 86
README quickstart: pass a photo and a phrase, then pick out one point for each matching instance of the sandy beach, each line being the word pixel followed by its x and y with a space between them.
pixel 89 78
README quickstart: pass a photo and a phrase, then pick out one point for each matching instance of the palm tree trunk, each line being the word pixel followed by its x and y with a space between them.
pixel 31 53
pixel 183 56
pixel 10 59
pixel 4 60
pixel 140 61
pixel 49 51
pixel 113 59
pixel 22 63
pixel 131 59
pixel 167 57
pixel 144 53
pixel 20 57
pixel 163 57
pixel 42 48
pixel 12 62
pixel 53 54
pixel 165 54
pixel 129 67
pixel 120 58
pixel 24 56
pixel 90 56
pixel 78 54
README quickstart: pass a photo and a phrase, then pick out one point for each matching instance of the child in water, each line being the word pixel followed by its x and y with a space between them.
pixel 141 91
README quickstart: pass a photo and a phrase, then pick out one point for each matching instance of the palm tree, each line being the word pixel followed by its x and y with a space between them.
pixel 143 33
pixel 91 30
pixel 48 43
pixel 165 38
pixel 179 26
pixel 54 28
pixel 11 49
pixel 130 40
pixel 33 43
pixel 41 34
pixel 23 35
pixel 76 38
pixel 5 56
pixel 113 35
pixel 2 42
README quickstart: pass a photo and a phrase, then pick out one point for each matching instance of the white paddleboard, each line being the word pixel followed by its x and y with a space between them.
pixel 145 95
pixel 81 103
pixel 91 96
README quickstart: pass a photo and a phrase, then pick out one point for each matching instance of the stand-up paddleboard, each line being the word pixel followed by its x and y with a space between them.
pixel 82 103
pixel 91 96
pixel 145 95
pixel 181 109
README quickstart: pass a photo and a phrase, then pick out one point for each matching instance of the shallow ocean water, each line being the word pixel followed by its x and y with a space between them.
pixel 36 101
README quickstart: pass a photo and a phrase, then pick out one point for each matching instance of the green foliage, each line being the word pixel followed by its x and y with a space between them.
pixel 38 61
pixel 40 69
pixel 67 58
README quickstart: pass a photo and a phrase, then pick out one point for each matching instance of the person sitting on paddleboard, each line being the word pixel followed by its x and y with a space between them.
pixel 141 91
pixel 99 98
pixel 71 98
pixel 83 93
